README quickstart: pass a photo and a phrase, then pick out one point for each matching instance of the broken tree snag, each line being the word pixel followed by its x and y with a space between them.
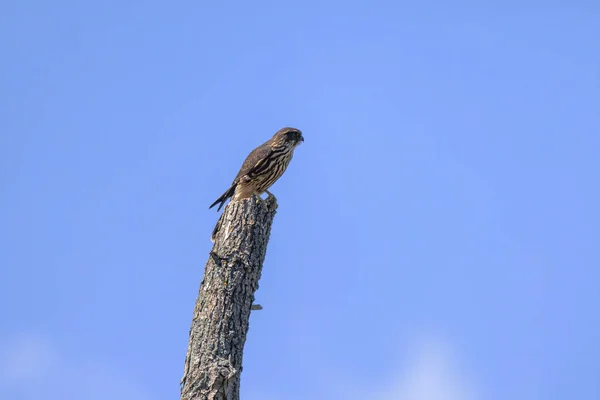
pixel 214 358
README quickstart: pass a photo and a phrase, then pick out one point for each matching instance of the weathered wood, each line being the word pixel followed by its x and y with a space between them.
pixel 213 363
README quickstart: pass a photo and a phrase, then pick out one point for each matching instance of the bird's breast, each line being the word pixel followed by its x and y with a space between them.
pixel 271 170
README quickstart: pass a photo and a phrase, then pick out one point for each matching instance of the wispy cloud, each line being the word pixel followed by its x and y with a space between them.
pixel 30 365
pixel 25 358
pixel 430 371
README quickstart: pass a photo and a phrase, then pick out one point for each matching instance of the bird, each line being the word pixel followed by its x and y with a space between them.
pixel 263 166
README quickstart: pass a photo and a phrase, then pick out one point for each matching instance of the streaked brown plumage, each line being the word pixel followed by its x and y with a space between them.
pixel 263 166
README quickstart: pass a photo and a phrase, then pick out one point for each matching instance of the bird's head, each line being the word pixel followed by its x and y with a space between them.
pixel 288 137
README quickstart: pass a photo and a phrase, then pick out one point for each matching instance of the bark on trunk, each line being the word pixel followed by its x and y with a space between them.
pixel 213 362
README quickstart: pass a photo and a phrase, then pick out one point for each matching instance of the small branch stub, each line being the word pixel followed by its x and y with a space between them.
pixel 220 324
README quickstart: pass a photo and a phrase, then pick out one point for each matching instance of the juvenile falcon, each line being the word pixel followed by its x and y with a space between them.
pixel 263 166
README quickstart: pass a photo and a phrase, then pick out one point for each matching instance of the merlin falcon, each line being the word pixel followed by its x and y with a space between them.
pixel 263 166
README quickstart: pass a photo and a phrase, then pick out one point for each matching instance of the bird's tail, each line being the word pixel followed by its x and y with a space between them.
pixel 224 197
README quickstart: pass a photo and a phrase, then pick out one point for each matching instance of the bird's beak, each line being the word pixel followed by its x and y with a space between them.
pixel 302 139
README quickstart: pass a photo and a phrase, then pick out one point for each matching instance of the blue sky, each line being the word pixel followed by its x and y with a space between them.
pixel 435 232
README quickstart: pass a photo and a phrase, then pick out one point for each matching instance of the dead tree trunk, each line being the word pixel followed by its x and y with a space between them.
pixel 213 363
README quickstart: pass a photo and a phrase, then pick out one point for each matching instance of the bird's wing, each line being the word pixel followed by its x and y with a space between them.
pixel 254 160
